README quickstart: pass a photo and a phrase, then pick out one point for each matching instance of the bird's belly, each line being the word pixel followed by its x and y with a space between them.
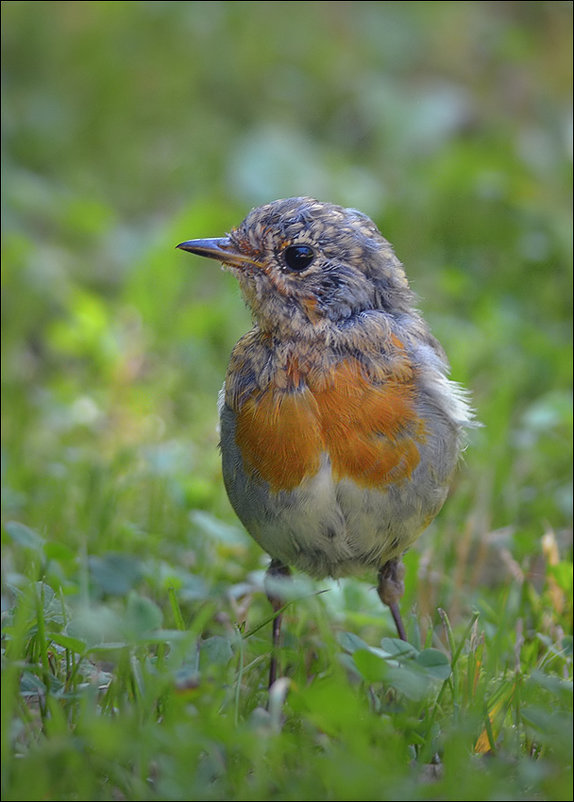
pixel 334 483
pixel 330 527
pixel 337 528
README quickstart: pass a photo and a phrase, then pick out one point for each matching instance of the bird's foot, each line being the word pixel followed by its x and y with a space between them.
pixel 276 571
pixel 390 588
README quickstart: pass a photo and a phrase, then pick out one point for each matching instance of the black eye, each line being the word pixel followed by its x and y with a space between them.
pixel 298 257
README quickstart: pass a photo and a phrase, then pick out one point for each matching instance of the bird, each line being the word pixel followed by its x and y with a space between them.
pixel 340 427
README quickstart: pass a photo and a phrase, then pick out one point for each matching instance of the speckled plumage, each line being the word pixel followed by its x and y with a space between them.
pixel 340 429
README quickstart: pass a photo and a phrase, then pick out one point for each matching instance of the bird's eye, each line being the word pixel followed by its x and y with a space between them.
pixel 298 257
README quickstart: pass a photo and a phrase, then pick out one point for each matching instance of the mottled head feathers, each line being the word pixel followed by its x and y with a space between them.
pixel 302 263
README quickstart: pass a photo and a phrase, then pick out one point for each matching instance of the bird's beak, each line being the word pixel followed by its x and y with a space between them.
pixel 220 248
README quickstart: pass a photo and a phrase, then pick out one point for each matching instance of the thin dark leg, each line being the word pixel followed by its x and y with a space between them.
pixel 396 613
pixel 276 570
pixel 390 589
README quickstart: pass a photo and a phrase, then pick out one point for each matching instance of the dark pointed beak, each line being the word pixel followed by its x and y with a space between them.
pixel 220 248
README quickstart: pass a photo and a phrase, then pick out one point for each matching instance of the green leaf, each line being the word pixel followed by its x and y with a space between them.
pixel 95 625
pixel 556 685
pixel 31 684
pixel 67 642
pixel 215 651
pixel 143 616
pixel 398 648
pixel 24 536
pixel 409 680
pixel 351 642
pixel 114 574
pixel 52 608
pixel 435 663
pixel 372 667
pixel 58 551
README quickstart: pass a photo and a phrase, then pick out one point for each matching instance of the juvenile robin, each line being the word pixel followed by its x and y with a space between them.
pixel 340 429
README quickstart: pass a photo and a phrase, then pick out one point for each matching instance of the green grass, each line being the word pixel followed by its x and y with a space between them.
pixel 136 633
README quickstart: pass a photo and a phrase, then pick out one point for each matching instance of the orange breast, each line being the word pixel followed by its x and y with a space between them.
pixel 279 437
pixel 370 431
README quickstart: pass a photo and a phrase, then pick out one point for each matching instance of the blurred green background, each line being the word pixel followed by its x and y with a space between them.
pixel 131 126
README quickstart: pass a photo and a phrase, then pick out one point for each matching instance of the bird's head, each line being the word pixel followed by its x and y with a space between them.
pixel 305 266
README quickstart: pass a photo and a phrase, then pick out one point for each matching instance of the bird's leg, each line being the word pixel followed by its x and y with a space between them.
pixel 391 588
pixel 276 570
